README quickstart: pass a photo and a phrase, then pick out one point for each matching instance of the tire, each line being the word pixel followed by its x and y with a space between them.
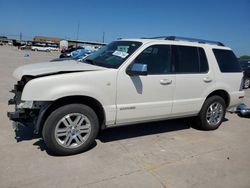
pixel 70 129
pixel 246 83
pixel 210 117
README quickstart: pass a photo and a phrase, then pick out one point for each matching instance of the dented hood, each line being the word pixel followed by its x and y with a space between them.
pixel 48 68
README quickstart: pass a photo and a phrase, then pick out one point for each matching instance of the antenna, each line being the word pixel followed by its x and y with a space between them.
pixel 77 32
pixel 103 37
pixel 20 36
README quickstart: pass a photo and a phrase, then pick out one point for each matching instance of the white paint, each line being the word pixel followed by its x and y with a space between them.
pixel 132 99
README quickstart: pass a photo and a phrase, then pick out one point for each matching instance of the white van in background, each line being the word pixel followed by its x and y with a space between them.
pixel 44 46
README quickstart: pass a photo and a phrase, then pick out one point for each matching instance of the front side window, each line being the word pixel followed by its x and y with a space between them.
pixel 157 58
pixel 227 61
pixel 114 54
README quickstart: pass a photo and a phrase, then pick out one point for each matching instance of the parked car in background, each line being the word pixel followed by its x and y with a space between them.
pixel 67 53
pixel 44 46
pixel 24 47
pixel 76 52
pixel 245 66
pixel 79 57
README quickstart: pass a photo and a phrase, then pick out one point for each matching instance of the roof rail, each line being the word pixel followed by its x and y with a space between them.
pixel 175 38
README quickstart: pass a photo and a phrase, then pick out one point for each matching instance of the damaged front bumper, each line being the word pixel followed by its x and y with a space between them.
pixel 27 112
pixel 18 115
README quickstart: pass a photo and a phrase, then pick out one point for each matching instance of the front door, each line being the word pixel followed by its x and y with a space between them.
pixel 142 98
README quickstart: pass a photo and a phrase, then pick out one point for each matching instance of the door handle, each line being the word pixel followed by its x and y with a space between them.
pixel 165 82
pixel 207 79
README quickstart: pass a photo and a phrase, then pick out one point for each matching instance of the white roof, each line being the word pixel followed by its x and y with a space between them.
pixel 177 42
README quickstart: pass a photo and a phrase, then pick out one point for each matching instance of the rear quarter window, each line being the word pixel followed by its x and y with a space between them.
pixel 227 61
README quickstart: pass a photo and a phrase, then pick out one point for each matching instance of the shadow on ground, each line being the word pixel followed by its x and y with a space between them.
pixel 144 129
pixel 41 146
pixel 119 133
pixel 25 133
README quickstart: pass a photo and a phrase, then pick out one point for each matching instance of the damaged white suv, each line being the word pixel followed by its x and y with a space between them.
pixel 127 82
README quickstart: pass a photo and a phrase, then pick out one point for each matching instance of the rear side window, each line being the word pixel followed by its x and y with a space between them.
pixel 189 59
pixel 227 61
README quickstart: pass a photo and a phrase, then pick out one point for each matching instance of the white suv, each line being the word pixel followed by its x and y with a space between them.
pixel 126 82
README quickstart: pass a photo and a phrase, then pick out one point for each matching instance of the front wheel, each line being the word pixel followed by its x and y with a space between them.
pixel 70 129
pixel 212 113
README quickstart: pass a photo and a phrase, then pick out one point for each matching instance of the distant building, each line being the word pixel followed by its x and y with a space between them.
pixel 47 39
pixel 71 43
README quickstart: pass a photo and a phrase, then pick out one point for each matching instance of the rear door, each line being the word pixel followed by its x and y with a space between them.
pixel 193 79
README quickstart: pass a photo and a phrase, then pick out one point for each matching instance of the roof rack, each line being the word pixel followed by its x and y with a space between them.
pixel 175 38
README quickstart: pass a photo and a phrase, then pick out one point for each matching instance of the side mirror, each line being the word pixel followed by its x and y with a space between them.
pixel 137 69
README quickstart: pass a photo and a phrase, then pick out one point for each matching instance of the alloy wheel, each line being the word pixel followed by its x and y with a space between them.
pixel 72 130
pixel 214 114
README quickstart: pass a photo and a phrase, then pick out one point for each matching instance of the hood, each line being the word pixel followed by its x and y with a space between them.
pixel 38 69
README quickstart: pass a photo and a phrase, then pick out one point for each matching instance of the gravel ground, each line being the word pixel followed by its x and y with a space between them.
pixel 162 154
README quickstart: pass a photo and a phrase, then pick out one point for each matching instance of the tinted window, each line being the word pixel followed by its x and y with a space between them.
pixel 227 61
pixel 203 61
pixel 157 58
pixel 186 59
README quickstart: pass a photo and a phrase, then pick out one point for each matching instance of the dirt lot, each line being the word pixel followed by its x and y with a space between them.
pixel 163 154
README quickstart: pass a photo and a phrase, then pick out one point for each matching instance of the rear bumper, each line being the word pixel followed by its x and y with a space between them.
pixel 236 98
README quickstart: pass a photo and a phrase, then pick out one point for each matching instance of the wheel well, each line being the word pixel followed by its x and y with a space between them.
pixel 221 93
pixel 89 101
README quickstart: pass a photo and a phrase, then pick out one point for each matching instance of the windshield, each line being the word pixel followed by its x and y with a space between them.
pixel 114 54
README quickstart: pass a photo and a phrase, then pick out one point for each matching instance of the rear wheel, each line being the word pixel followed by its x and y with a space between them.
pixel 212 113
pixel 70 129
